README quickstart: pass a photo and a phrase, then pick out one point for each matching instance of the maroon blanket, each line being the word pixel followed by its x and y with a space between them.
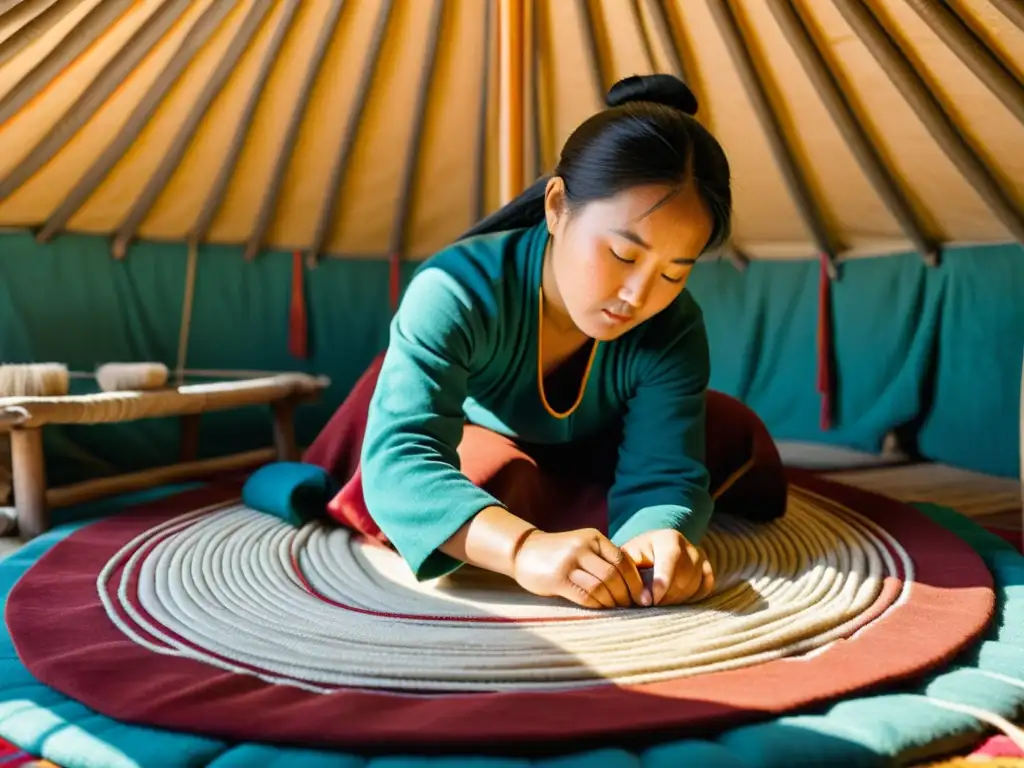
pixel 560 487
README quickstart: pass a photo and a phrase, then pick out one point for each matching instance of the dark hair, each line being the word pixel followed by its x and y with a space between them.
pixel 647 135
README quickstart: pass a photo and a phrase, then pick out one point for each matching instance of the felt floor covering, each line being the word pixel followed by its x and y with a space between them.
pixel 201 592
pixel 873 728
pixel 995 752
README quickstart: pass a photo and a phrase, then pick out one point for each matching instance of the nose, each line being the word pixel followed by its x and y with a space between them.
pixel 636 289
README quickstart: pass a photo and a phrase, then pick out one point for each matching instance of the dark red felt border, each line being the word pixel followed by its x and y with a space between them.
pixel 65 639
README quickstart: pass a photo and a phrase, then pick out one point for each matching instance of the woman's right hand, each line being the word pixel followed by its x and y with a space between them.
pixel 582 566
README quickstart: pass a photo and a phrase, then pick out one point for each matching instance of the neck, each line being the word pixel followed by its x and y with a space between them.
pixel 555 313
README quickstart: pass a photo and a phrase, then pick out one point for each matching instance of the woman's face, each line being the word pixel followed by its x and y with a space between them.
pixel 619 262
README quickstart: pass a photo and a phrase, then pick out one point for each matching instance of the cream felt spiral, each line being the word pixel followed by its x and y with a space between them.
pixel 314 608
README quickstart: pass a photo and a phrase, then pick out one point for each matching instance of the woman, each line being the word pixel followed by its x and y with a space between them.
pixel 542 407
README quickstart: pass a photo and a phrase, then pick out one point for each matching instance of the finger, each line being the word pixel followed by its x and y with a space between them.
pixel 608 575
pixel 627 569
pixel 584 583
pixel 577 594
pixel 707 584
pixel 634 582
pixel 648 579
pixel 641 554
pixel 687 582
pixel 687 578
pixel 667 553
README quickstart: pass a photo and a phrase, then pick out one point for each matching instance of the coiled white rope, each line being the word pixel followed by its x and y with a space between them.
pixel 311 607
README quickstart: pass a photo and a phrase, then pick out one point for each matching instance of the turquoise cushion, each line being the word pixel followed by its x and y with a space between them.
pixel 291 490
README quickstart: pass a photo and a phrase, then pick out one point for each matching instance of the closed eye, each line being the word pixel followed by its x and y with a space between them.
pixel 675 280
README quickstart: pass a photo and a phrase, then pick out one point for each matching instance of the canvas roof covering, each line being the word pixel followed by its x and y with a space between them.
pixel 362 128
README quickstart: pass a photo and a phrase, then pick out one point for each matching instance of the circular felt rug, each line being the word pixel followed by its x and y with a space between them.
pixel 195 613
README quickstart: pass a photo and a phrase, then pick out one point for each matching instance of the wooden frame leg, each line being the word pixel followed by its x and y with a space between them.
pixel 284 430
pixel 189 448
pixel 6 479
pixel 29 470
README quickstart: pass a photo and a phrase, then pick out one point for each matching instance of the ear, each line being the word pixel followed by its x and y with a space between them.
pixel 554 202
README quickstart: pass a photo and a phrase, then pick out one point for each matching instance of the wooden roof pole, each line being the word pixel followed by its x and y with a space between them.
pixel 752 76
pixel 92 96
pixel 46 17
pixel 272 194
pixel 187 49
pixel 972 50
pixel 86 32
pixel 215 197
pixel 339 166
pixel 510 91
pixel 597 68
pixel 796 27
pixel 932 113
pixel 674 47
pixel 186 133
pixel 1011 9
pixel 537 30
pixel 663 25
pixel 645 35
pixel 483 113
pixel 404 207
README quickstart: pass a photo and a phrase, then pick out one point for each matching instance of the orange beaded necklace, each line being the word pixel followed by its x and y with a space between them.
pixel 540 366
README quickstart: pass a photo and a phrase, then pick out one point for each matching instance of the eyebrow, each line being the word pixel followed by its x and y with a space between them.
pixel 633 237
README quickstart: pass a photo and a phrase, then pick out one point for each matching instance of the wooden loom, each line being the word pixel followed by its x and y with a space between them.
pixel 24 418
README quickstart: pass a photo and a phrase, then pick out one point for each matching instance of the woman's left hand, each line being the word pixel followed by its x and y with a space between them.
pixel 681 571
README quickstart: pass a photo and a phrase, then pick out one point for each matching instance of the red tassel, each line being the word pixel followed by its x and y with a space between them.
pixel 395 278
pixel 298 324
pixel 825 372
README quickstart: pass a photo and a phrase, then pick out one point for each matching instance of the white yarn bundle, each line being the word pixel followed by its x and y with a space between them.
pixel 125 377
pixel 34 380
pixel 25 380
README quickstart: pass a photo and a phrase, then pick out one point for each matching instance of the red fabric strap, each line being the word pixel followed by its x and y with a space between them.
pixel 298 323
pixel 826 374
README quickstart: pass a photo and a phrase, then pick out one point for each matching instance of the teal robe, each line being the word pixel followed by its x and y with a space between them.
pixel 463 349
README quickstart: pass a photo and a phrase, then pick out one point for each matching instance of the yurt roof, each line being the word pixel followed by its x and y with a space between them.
pixel 364 128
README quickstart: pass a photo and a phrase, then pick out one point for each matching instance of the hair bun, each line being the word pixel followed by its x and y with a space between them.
pixel 667 90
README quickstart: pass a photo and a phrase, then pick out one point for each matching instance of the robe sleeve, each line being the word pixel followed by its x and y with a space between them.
pixel 412 482
pixel 661 479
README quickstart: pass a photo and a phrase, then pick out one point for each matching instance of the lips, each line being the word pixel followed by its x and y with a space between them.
pixel 614 317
